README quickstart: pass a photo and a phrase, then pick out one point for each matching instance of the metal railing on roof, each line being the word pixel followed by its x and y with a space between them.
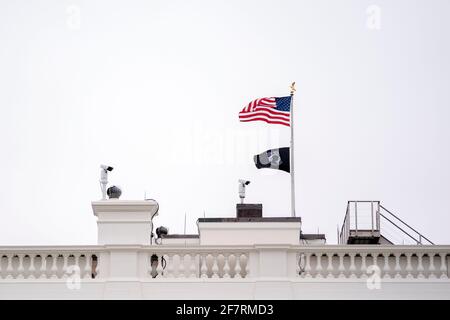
pixel 356 227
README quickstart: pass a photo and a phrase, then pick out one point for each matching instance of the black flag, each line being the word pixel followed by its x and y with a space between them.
pixel 273 159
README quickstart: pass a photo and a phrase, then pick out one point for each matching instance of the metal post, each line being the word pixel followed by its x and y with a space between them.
pixel 356 218
pixel 292 151
pixel 338 237
pixel 378 217
pixel 347 233
pixel 371 215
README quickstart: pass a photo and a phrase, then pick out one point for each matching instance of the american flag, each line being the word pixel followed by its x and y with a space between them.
pixel 271 110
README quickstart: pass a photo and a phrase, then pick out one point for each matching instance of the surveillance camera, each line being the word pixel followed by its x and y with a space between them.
pixel 242 184
pixel 246 182
pixel 105 167
pixel 104 179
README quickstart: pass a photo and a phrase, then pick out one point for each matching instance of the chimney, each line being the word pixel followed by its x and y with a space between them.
pixel 249 210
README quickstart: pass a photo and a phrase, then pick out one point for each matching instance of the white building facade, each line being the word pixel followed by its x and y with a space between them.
pixel 230 258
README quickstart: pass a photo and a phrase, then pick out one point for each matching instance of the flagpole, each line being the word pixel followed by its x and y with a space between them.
pixel 291 160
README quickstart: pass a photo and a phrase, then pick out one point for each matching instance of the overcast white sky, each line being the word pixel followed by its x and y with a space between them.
pixel 154 88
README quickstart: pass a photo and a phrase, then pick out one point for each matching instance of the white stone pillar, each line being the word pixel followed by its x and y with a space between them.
pixel 123 226
pixel 124 222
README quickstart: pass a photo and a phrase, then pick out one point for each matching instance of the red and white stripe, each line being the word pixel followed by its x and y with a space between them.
pixel 263 109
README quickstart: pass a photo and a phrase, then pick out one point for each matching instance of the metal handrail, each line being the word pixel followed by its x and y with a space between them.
pixel 345 229
pixel 417 232
pixel 417 241
pixel 341 240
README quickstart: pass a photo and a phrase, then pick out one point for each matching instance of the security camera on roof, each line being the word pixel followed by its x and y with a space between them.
pixel 105 167
pixel 242 184
pixel 104 178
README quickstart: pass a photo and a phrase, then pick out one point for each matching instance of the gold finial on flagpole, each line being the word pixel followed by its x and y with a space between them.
pixel 292 88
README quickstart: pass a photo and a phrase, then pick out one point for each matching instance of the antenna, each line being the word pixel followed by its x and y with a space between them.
pixel 185 223
pixel 204 214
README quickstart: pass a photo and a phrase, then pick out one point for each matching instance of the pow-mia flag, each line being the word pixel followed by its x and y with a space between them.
pixel 273 159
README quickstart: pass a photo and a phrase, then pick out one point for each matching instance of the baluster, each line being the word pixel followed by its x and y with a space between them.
pixel 170 267
pixel 32 269
pixel 149 265
pixel 319 265
pixel 192 266
pixel 298 269
pixel 159 267
pixel 352 267
pixel 420 266
pixel 431 268
pixel 408 266
pixel 307 265
pixel 237 267
pixel 375 259
pixel 204 266
pixel 221 257
pixel 363 265
pixel 307 269
pixel 65 265
pixel 20 269
pixel 398 269
pixel 341 265
pixel 76 264
pixel 302 264
pixel 232 257
pixel 181 266
pixel 43 271
pixel 9 268
pixel 2 271
pixel 215 266
pixel 226 266
pixel 96 268
pixel 329 273
pixel 443 267
pixel 247 265
pixel 54 269
pixel 87 266
pixel 164 260
pixel 165 266
pixel 386 266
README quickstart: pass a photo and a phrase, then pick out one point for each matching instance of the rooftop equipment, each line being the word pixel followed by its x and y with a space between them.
pixel 242 184
pixel 368 222
pixel 104 178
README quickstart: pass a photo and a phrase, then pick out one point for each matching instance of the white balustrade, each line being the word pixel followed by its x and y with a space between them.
pixel 393 262
pixel 185 263
pixel 233 263
pixel 24 264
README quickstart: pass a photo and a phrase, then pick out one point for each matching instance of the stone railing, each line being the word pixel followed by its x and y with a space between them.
pixel 161 263
pixel 388 262
pixel 48 262
pixel 198 262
